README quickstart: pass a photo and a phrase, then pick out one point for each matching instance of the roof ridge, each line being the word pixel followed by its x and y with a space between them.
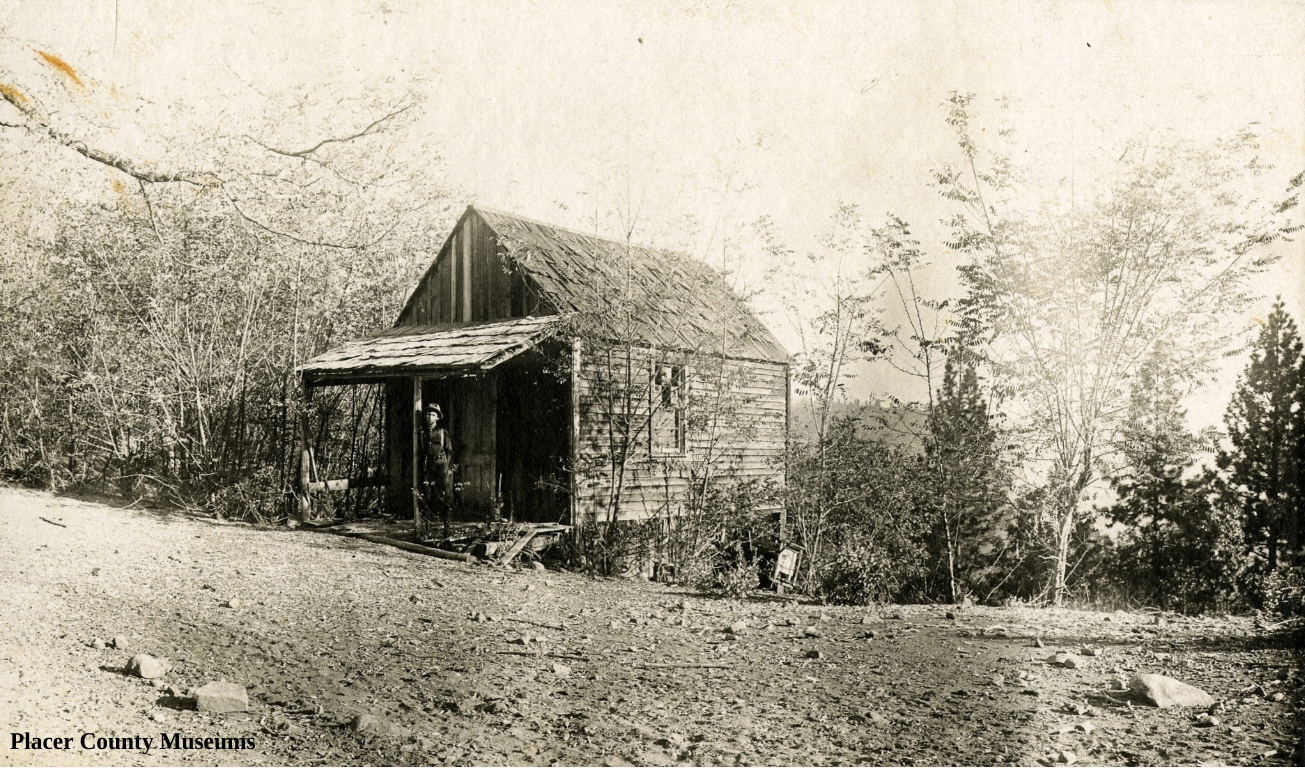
pixel 478 208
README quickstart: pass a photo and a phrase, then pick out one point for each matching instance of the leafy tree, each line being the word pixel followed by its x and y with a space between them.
pixel 830 309
pixel 174 272
pixel 1065 304
pixel 1264 427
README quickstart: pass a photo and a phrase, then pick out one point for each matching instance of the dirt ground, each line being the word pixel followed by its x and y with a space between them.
pixel 330 627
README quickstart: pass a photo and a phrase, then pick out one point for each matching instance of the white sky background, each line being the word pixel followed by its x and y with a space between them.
pixel 727 111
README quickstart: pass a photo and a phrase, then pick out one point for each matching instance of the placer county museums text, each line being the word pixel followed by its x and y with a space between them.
pixel 141 743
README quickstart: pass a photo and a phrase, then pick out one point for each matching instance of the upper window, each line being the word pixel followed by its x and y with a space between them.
pixel 666 425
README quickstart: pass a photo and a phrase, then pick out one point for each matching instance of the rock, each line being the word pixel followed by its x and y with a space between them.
pixel 1279 696
pixel 561 670
pixel 815 654
pixel 1086 727
pixel 870 635
pixel 222 696
pixel 738 626
pixel 98 644
pixel 538 566
pixel 1066 757
pixel 812 632
pixel 1088 650
pixel 999 680
pixel 1164 692
pixel 146 666
pixel 1066 660
pixel 898 615
pixel 233 603
pixel 1037 643
pixel 996 630
pixel 519 641
pixel 876 718
pixel 371 725
pixel 1206 720
pixel 870 618
pixel 120 642
pixel 950 615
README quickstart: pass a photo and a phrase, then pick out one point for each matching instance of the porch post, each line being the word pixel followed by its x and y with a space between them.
pixel 575 431
pixel 417 425
pixel 305 460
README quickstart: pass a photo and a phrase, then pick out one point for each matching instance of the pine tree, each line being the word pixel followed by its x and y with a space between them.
pixel 966 462
pixel 1264 425
pixel 1180 547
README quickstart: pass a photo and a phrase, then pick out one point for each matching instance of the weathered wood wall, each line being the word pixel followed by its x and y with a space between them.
pixel 470 282
pixel 750 423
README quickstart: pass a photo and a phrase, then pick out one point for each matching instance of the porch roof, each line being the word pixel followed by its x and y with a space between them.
pixel 427 349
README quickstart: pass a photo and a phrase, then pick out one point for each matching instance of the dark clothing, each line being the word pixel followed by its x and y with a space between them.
pixel 436 476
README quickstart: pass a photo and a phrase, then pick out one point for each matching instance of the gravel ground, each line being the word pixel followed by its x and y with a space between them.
pixel 463 664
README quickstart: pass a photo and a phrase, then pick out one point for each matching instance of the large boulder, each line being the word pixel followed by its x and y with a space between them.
pixel 148 667
pixel 221 696
pixel 1167 692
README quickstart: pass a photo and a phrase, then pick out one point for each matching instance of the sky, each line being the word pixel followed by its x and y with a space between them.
pixel 702 116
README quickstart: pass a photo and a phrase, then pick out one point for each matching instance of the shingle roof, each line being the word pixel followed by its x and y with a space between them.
pixel 420 349
pixel 690 305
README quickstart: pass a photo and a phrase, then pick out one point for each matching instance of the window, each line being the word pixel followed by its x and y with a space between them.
pixel 666 425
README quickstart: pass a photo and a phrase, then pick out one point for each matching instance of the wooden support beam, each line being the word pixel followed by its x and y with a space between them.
pixel 575 431
pixel 305 463
pixel 417 426
pixel 788 432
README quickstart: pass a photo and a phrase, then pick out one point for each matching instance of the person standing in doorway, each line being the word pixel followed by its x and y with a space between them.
pixel 437 467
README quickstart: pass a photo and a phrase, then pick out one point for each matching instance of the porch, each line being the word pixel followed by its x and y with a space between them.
pixel 506 407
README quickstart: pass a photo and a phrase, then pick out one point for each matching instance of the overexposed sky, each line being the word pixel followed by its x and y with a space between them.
pixel 725 111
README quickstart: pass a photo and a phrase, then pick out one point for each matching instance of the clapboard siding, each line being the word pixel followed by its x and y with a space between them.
pixel 751 416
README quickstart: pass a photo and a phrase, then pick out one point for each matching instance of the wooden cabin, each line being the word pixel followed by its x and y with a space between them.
pixel 540 344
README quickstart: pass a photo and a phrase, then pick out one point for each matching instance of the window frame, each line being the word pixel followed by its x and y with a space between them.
pixel 677 391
